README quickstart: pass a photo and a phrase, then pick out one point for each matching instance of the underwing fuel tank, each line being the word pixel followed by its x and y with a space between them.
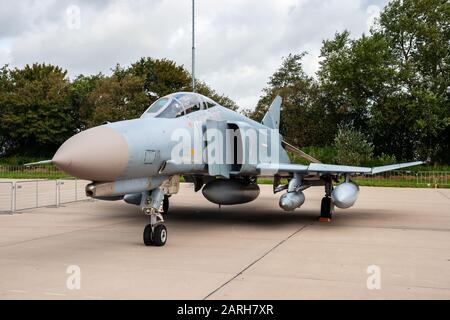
pixel 230 192
pixel 344 195
pixel 292 200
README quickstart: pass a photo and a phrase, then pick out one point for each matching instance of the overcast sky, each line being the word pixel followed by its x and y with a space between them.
pixel 240 43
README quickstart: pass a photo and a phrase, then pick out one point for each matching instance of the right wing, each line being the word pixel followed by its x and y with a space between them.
pixel 331 169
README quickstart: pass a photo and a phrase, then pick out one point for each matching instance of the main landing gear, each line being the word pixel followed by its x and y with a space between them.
pixel 165 205
pixel 155 233
pixel 327 207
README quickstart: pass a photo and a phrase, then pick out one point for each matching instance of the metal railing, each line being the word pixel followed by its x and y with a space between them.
pixel 33 172
pixel 31 194
pixel 420 179
pixel 35 194
pixel 6 197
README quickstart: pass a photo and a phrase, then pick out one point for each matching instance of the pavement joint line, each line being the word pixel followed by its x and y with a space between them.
pixel 443 194
pixel 256 261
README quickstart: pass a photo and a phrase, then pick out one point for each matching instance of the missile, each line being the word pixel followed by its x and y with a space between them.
pixel 292 200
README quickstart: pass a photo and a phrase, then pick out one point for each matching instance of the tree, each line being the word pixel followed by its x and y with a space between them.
pixel 392 84
pixel 40 108
pixel 418 33
pixel 35 109
pixel 128 92
pixel 304 121
pixel 352 147
pixel 81 89
pixel 121 96
pixel 354 74
pixel 161 77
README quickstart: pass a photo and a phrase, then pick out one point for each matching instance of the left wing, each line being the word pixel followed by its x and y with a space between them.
pixel 319 168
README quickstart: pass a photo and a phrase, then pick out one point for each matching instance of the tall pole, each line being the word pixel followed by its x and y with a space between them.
pixel 193 45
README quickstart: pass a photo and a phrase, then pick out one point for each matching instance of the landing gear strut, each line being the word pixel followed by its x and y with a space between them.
pixel 327 207
pixel 155 233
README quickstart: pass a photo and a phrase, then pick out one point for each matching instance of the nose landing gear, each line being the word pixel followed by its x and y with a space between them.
pixel 155 236
pixel 155 233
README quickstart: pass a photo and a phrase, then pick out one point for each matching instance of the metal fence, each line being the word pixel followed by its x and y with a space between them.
pixel 6 197
pixel 30 194
pixel 35 194
pixel 32 172
pixel 421 179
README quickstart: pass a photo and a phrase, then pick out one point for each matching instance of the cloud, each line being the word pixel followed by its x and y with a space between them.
pixel 240 43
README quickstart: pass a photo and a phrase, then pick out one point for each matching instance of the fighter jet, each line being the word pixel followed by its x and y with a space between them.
pixel 187 135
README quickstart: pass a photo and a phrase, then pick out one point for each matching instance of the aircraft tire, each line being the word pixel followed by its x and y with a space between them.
pixel 160 235
pixel 148 236
pixel 325 208
pixel 165 205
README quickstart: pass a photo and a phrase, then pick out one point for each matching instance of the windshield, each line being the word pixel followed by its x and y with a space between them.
pixel 177 105
pixel 155 107
pixel 174 110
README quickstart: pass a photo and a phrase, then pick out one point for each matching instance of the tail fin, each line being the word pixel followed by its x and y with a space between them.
pixel 272 117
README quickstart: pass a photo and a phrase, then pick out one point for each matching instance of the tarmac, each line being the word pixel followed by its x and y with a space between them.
pixel 393 244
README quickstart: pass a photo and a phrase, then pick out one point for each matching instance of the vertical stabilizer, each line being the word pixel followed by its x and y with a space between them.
pixel 272 117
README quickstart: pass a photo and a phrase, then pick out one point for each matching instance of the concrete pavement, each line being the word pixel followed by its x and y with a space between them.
pixel 254 251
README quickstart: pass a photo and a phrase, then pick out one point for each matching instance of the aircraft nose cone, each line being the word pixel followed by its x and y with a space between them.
pixel 97 154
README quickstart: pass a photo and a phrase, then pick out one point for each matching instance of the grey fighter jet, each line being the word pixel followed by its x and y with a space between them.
pixel 220 151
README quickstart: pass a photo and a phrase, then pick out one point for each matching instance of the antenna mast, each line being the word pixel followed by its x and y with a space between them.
pixel 193 45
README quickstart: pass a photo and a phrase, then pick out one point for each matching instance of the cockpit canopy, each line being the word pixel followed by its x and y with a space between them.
pixel 177 105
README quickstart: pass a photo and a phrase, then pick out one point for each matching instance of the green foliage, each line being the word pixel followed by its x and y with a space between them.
pixel 391 85
pixel 40 108
pixel 414 118
pixel 352 147
pixel 384 95
pixel 325 154
pixel 36 113
pixel 119 97
pixel 304 120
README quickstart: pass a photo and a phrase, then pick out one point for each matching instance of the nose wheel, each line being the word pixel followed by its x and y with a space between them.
pixel 155 236
pixel 155 233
